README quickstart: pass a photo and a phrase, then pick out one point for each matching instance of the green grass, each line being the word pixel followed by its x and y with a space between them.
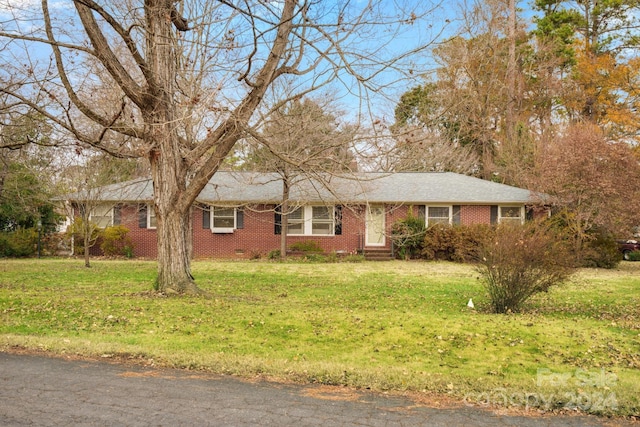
pixel 401 326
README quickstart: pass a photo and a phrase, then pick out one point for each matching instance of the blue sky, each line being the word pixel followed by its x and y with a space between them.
pixel 437 25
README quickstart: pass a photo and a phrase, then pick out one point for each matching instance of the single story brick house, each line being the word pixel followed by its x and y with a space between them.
pixel 238 213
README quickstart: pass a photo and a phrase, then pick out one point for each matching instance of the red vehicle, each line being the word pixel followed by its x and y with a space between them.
pixel 628 246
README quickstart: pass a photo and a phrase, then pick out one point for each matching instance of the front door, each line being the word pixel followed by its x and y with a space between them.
pixel 375 226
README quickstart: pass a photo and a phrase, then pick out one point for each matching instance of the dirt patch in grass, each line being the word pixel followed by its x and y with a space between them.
pixel 336 393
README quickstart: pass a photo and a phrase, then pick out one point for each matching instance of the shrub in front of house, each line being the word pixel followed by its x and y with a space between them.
pixel 115 242
pixel 352 258
pixel 441 243
pixel 521 261
pixel 407 235
pixel 455 243
pixel 20 243
pixel 470 240
pixel 306 247
pixel 274 255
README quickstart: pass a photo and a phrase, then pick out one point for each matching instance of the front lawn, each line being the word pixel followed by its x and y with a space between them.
pixel 385 326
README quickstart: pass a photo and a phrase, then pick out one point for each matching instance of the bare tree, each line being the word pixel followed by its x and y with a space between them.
pixel 593 181
pixel 302 139
pixel 417 148
pixel 186 78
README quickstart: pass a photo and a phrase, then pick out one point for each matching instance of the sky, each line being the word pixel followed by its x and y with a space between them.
pixel 437 25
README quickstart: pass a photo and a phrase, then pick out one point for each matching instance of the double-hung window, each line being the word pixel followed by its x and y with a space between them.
pixel 102 215
pixel 438 215
pixel 322 220
pixel 223 219
pixel 295 221
pixel 511 214
pixel 311 220
pixel 151 217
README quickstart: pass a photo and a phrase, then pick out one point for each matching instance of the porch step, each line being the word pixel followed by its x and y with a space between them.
pixel 375 254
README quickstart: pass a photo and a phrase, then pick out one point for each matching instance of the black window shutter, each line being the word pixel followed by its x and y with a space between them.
pixel 422 212
pixel 277 220
pixel 456 214
pixel 239 218
pixel 206 217
pixel 338 220
pixel 529 213
pixel 142 216
pixel 494 214
pixel 117 215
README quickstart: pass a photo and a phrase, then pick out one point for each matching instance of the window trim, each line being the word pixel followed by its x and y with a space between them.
pixel 522 216
pixel 151 209
pixel 109 211
pixel 426 214
pixel 222 230
pixel 308 221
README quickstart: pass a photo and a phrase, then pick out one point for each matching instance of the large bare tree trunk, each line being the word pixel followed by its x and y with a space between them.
pixel 174 263
pixel 172 218
pixel 168 168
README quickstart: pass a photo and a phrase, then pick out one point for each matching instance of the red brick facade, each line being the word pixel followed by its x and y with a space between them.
pixel 257 236
pixel 475 214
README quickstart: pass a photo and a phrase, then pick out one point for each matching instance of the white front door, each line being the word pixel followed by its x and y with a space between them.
pixel 375 226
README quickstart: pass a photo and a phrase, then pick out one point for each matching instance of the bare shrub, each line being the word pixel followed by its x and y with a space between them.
pixel 440 243
pixel 458 243
pixel 522 261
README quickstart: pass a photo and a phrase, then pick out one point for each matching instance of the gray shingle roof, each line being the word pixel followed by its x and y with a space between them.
pixel 406 187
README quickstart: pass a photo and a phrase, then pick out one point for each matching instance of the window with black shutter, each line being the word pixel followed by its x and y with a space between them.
pixel 277 220
pixel 142 216
pixel 117 215
pixel 206 217
pixel 494 214
pixel 239 218
pixel 338 220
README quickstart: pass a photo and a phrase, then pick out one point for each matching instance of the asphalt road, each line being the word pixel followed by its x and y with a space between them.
pixel 45 391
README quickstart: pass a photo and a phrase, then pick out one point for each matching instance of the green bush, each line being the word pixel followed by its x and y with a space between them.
pixel 274 255
pixel 306 246
pixel 600 251
pixel 407 236
pixel 115 242
pixel 332 257
pixel 634 256
pixel 20 243
pixel 315 257
pixel 521 261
